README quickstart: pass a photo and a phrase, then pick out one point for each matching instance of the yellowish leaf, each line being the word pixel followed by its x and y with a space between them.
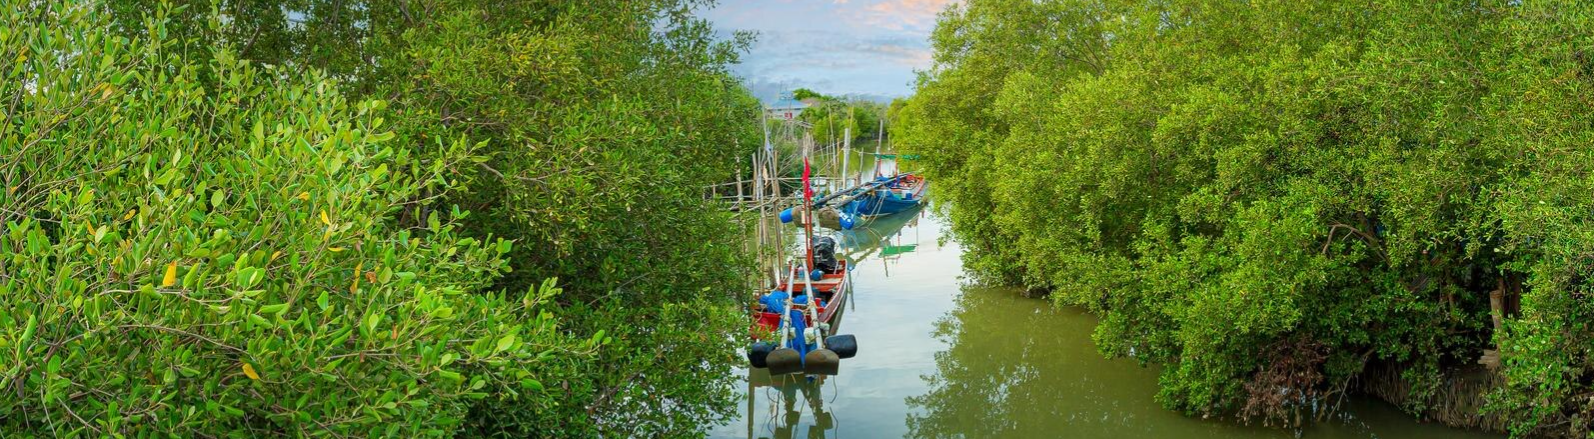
pixel 354 286
pixel 276 255
pixel 324 219
pixel 130 213
pixel 335 249
pixel 304 195
pixel 171 275
pixel 250 372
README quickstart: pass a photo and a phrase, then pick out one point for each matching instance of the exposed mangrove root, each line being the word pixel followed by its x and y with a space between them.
pixel 1457 402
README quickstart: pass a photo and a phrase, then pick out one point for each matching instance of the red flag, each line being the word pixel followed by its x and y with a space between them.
pixel 808 191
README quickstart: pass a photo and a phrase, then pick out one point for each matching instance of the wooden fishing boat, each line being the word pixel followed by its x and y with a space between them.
pixel 863 204
pixel 899 193
pixel 831 288
pixel 792 325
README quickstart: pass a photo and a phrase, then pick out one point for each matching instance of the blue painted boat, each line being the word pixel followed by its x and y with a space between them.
pixel 899 193
pixel 862 204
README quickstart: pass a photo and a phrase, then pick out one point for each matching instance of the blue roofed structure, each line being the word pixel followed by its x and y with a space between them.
pixel 786 108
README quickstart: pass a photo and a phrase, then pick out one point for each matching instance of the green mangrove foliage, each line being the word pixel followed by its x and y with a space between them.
pixel 183 256
pixel 1271 197
pixel 831 117
pixel 345 218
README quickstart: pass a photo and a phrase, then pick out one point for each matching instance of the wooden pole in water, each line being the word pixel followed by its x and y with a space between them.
pixel 774 201
pixel 752 163
pixel 877 155
pixel 846 138
pixel 846 150
pixel 780 230
pixel 751 395
pixel 835 155
pixel 880 133
pixel 761 158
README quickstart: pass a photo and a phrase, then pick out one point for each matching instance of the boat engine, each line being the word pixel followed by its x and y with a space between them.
pixel 825 253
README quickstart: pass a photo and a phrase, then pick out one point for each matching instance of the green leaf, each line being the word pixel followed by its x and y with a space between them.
pixel 531 384
pixel 274 309
pixel 450 376
pixel 505 343
pixel 27 333
pixel 261 321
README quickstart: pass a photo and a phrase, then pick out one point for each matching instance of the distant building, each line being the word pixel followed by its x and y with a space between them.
pixel 786 108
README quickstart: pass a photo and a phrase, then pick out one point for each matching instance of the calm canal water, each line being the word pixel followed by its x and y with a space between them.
pixel 939 358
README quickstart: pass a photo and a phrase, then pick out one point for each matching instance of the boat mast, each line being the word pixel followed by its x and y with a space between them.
pixel 808 210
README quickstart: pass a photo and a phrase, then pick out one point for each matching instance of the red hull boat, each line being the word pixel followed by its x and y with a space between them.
pixel 798 337
pixel 832 289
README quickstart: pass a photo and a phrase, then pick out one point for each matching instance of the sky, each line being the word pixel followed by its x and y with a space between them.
pixel 863 48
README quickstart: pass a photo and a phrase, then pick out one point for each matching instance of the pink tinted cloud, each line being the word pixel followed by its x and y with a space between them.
pixel 916 15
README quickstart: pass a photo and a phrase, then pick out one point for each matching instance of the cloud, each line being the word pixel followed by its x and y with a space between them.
pixel 857 47
pixel 903 15
pixel 851 64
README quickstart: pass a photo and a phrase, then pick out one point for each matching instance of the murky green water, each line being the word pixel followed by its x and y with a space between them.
pixel 942 359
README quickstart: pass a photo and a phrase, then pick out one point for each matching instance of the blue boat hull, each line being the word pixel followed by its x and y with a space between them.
pixel 887 202
pixel 882 197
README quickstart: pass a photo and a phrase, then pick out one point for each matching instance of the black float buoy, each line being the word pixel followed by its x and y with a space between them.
pixel 758 353
pixel 845 346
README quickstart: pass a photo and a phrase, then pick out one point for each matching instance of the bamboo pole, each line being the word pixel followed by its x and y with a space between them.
pixel 846 150
pixel 879 134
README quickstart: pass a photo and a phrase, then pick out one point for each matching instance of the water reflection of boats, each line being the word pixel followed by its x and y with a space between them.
pixel 882 238
pixel 797 394
pixel 876 234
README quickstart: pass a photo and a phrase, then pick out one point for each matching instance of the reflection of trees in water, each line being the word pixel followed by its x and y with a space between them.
pixel 1012 370
pixel 981 376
